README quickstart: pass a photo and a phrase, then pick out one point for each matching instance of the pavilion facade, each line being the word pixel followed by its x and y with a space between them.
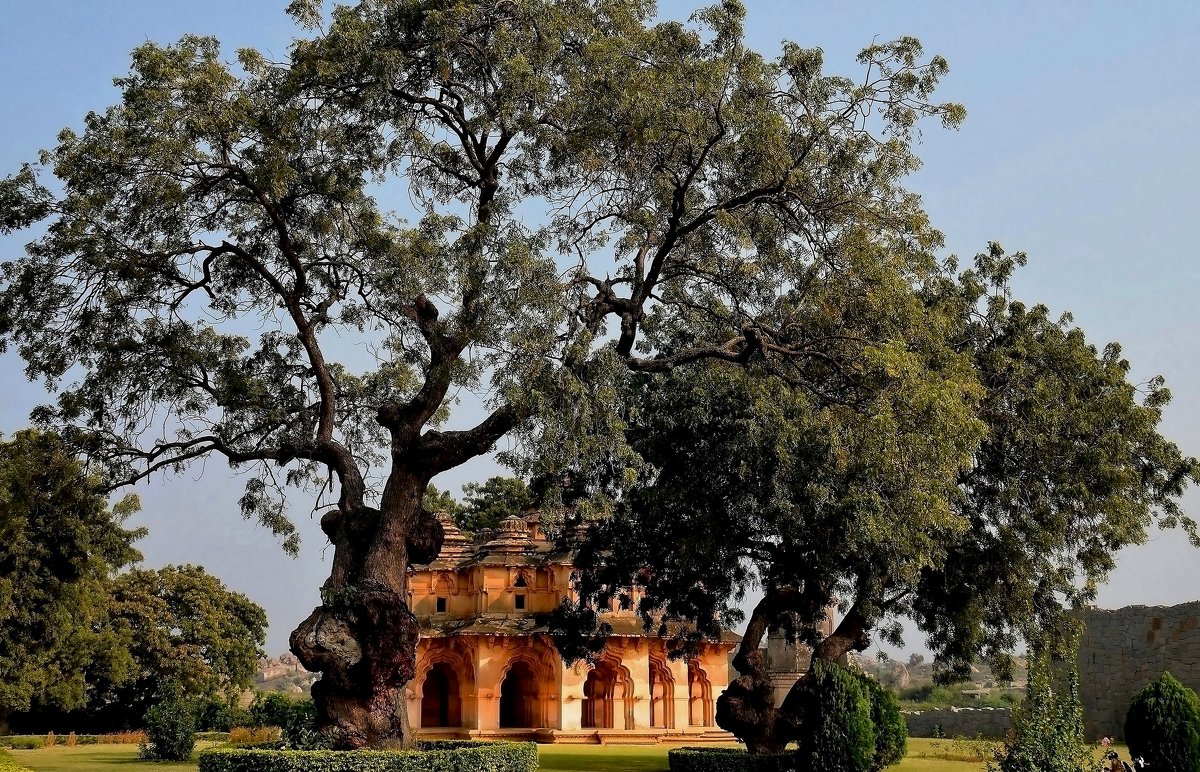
pixel 486 666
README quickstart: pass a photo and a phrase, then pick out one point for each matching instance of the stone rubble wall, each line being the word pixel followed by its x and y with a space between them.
pixel 1125 649
pixel 992 723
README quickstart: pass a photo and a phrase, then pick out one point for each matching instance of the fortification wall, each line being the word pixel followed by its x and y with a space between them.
pixel 1122 650
pixel 959 722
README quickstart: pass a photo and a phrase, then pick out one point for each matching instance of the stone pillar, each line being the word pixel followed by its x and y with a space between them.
pixel 679 677
pixel 636 658
pixel 489 667
pixel 488 705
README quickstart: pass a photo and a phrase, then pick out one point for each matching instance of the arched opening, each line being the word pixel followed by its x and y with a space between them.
pixel 519 698
pixel 607 693
pixel 662 696
pixel 441 704
pixel 700 704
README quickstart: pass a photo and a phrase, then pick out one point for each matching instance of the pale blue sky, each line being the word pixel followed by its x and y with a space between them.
pixel 1080 148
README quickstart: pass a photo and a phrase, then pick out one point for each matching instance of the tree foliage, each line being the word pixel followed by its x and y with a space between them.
pixel 59 545
pixel 486 504
pixel 1071 469
pixel 1013 442
pixel 597 194
pixel 185 632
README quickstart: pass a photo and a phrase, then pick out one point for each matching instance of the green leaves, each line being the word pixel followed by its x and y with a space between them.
pixel 1072 469
pixel 58 547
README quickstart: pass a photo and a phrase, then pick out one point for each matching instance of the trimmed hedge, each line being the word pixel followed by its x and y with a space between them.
pixel 26 742
pixel 23 742
pixel 7 764
pixel 704 759
pixel 432 757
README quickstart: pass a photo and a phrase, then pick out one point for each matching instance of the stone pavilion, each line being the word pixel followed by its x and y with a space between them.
pixel 487 668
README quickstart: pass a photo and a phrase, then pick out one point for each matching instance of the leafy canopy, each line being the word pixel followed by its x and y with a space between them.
pixel 185 632
pixel 59 546
pixel 595 194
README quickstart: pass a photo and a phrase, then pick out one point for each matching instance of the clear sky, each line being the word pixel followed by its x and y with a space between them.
pixel 1080 148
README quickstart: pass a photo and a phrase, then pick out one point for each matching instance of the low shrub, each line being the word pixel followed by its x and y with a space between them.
pixel 1163 726
pixel 137 737
pixel 1047 733
pixel 437 757
pixel 241 735
pixel 212 737
pixel 8 764
pixel 170 730
pixel 703 759
pixel 23 742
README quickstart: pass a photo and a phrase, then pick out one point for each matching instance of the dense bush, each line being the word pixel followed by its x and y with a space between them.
pixel 170 730
pixel 1163 726
pixel 891 733
pixel 835 711
pixel 438 757
pixel 23 742
pixel 276 709
pixel 702 759
pixel 8 764
pixel 296 716
pixel 219 715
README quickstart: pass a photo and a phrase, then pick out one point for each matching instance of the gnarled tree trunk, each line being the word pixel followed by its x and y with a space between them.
pixel 363 637
pixel 747 708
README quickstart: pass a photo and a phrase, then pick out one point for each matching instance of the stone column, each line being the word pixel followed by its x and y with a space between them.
pixel 679 677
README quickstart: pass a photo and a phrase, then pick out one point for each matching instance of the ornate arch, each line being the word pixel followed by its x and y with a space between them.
pixel 452 687
pixel 662 694
pixel 608 695
pixel 454 652
pixel 540 661
pixel 700 699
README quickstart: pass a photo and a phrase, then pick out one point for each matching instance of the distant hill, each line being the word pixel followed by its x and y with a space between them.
pixel 283 674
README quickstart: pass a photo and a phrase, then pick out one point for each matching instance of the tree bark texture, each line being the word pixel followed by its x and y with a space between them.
pixel 363 637
pixel 747 707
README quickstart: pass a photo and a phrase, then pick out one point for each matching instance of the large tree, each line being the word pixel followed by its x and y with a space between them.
pixel 185 632
pixel 486 504
pixel 59 546
pixel 213 238
pixel 756 485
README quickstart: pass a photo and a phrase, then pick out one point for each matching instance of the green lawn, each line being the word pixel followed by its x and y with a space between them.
pixel 92 757
pixel 923 756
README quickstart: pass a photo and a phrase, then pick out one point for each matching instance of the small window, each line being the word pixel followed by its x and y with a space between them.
pixel 520 581
pixel 441 605
pixel 520 602
pixel 626 602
